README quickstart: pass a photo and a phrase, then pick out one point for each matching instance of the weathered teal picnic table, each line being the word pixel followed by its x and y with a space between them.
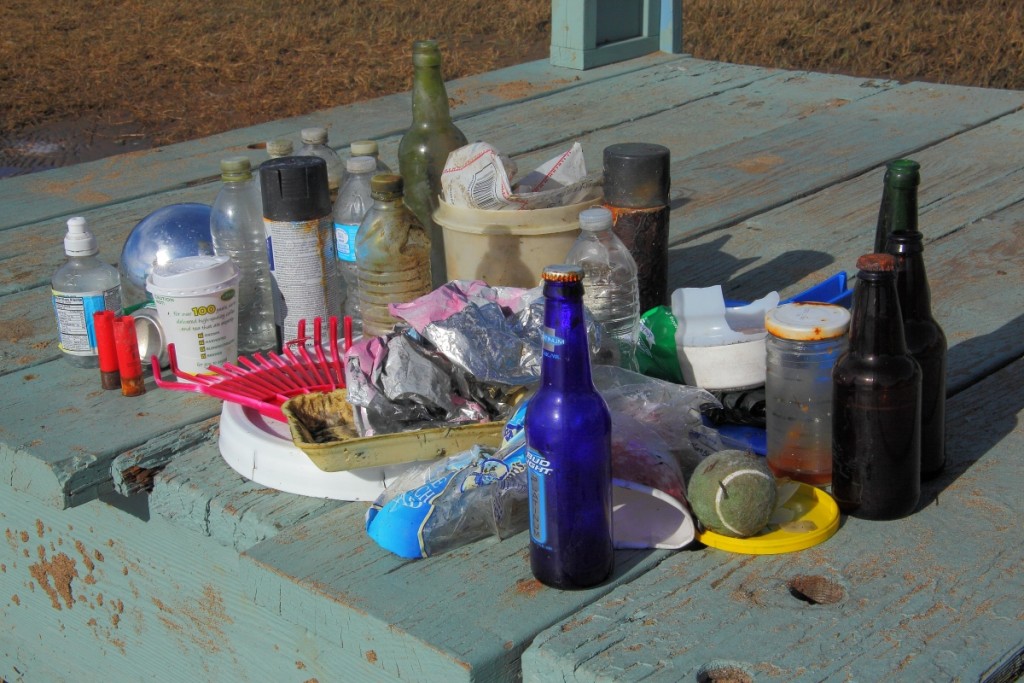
pixel 133 552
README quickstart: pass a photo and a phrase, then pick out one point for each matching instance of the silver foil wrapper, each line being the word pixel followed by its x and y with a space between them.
pixel 468 353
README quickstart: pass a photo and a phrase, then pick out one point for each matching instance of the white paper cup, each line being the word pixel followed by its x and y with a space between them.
pixel 196 298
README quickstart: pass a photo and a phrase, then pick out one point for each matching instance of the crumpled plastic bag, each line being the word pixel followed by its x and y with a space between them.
pixel 658 437
pixel 478 176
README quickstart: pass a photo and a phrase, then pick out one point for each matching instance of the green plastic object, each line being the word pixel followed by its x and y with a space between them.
pixel 656 345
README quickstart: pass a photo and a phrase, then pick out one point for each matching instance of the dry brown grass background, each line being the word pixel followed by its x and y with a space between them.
pixel 176 71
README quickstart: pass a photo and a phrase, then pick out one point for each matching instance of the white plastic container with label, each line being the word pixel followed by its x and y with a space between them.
pixel 196 298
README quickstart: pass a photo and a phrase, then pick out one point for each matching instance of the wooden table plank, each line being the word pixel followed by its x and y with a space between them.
pixel 465 615
pixel 108 592
pixel 935 596
pixel 723 118
pixel 198 491
pixel 729 184
pixel 60 430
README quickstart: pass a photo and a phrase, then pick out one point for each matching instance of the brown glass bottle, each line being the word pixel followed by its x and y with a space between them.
pixel 876 418
pixel 925 339
pixel 424 148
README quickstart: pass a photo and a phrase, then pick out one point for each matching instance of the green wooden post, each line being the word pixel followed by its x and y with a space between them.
pixel 589 33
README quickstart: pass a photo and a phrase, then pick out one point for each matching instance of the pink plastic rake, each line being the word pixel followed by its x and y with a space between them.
pixel 264 383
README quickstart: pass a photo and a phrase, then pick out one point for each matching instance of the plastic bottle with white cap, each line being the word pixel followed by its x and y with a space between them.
pixel 83 285
pixel 314 144
pixel 610 290
pixel 364 148
pixel 354 200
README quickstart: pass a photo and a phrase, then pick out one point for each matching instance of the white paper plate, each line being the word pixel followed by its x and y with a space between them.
pixel 261 449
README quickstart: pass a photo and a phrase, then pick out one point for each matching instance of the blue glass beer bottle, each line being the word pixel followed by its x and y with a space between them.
pixel 568 435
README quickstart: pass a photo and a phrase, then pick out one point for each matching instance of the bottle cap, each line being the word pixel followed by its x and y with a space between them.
pixel 295 189
pixel 563 273
pixel 314 136
pixel 426 53
pixel 79 241
pixel 903 173
pixel 279 148
pixel 595 218
pixel 636 175
pixel 388 184
pixel 362 164
pixel 807 321
pixel 876 263
pixel 235 169
pixel 364 148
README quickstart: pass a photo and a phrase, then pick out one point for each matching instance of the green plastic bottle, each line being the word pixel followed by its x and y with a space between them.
pixel 425 147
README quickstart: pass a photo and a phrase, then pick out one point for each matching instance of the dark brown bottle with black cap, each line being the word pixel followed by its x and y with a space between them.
pixel 876 403
pixel 636 186
pixel 925 339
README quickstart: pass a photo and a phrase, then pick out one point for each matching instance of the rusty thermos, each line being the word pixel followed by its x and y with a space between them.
pixel 636 185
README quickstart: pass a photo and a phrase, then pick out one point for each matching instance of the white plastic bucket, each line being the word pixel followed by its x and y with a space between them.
pixel 507 248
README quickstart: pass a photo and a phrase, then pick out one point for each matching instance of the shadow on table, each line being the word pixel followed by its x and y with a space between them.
pixel 706 264
pixel 976 425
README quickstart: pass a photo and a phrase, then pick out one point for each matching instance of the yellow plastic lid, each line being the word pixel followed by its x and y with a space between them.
pixel 807 517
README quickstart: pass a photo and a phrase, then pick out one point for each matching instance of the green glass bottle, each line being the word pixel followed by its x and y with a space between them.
pixel 925 337
pixel 425 147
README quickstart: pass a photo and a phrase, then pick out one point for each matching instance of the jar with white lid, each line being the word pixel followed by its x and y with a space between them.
pixel 803 343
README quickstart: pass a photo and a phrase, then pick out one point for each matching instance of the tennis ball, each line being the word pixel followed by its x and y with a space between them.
pixel 732 493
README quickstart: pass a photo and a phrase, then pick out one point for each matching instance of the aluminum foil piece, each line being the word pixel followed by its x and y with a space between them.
pixel 468 354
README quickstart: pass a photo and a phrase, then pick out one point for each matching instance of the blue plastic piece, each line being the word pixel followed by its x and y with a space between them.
pixel 745 436
pixel 834 290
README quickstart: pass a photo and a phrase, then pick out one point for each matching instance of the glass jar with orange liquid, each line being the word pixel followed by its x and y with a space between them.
pixel 804 341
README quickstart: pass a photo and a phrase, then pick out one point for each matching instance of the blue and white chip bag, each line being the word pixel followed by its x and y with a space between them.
pixel 454 501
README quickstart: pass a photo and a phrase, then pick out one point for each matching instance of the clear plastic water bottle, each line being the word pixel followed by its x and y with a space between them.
pixel 365 148
pixel 392 253
pixel 236 226
pixel 610 290
pixel 82 286
pixel 354 201
pixel 314 144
